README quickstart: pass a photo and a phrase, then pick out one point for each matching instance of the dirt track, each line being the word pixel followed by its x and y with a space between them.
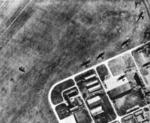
pixel 49 40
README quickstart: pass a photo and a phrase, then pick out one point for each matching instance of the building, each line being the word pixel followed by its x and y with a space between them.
pixel 120 91
pixel 96 111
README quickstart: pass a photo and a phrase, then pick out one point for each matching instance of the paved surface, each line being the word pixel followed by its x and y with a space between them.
pixel 49 40
pixel 118 118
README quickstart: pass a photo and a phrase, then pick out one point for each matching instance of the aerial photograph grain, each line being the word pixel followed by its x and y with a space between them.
pixel 74 61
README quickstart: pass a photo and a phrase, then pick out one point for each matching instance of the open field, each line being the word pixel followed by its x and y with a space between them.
pixel 44 41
